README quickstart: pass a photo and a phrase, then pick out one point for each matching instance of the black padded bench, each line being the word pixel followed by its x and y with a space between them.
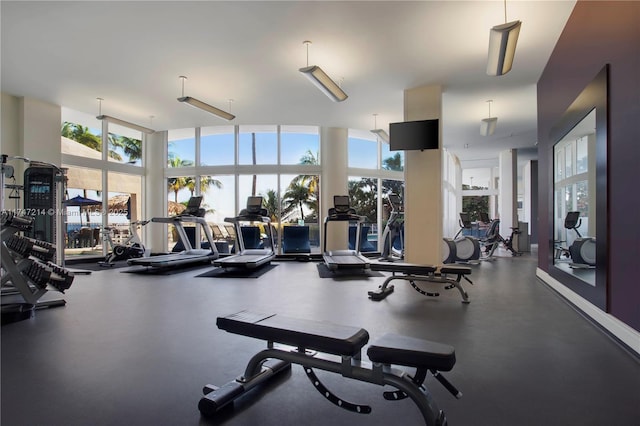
pixel 412 272
pixel 335 348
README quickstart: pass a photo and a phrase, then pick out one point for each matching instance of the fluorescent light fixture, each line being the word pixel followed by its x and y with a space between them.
pixel 206 107
pixel 114 120
pixel 124 123
pixel 488 126
pixel 203 105
pixel 382 134
pixel 502 47
pixel 323 82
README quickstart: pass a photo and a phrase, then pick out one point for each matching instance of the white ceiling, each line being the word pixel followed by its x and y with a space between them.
pixel 131 54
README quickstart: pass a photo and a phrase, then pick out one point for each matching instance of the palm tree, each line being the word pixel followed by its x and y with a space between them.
pixel 393 163
pixel 131 146
pixel 84 136
pixel 205 183
pixel 271 202
pixel 253 152
pixel 81 135
pixel 175 184
pixel 296 196
pixel 362 193
pixel 312 182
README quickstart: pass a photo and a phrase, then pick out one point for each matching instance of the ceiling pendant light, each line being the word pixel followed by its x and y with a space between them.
pixel 381 133
pixel 502 45
pixel 114 120
pixel 488 125
pixel 322 81
pixel 202 105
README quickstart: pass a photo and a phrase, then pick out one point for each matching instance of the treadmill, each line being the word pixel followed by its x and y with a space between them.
pixel 250 254
pixel 344 259
pixel 190 255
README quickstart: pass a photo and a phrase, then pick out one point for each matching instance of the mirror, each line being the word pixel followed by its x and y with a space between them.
pixel 574 193
pixel 579 217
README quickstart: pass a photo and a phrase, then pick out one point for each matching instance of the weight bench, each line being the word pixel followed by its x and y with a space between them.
pixel 337 349
pixel 412 273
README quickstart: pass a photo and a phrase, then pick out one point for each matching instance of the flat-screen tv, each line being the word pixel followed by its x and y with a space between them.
pixel 414 135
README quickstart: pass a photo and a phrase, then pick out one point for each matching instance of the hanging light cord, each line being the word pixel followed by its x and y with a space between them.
pixel 307 43
pixel 505 11
pixel 183 78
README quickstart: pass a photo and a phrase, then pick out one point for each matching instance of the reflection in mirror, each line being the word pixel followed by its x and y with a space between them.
pixel 574 192
pixel 578 251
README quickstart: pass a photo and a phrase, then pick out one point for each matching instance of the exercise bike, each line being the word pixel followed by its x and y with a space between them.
pixel 131 248
pixel 393 234
pixel 494 238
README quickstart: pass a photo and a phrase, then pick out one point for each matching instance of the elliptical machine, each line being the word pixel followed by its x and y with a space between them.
pixel 131 248
pixel 462 248
pixel 393 234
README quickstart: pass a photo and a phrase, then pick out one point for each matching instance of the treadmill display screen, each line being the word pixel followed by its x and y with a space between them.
pixel 254 204
pixel 341 203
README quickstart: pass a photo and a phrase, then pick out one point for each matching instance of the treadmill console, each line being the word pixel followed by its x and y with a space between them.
pixel 395 201
pixel 254 205
pixel 465 220
pixel 341 203
pixel 193 207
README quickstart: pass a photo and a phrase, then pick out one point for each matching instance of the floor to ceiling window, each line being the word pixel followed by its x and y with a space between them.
pixel 374 171
pixel 236 162
pixel 108 180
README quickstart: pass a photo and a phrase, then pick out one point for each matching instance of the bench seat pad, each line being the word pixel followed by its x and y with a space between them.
pixel 316 335
pixel 404 268
pixel 412 352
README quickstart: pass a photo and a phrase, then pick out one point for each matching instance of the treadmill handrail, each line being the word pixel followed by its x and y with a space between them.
pixel 177 222
pixel 185 218
pixel 248 218
pixel 345 217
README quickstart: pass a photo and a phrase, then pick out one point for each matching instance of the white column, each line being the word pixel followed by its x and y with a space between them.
pixel 155 191
pixel 508 191
pixel 333 157
pixel 423 183
pixel 39 130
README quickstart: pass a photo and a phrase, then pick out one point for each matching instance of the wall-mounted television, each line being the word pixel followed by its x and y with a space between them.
pixel 414 135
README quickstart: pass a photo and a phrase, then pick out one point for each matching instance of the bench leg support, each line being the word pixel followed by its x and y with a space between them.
pixel 385 289
pixel 218 397
pixel 267 363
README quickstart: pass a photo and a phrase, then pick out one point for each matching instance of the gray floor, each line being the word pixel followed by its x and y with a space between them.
pixel 136 350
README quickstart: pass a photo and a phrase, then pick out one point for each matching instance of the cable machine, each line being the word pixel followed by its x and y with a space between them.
pixel 28 267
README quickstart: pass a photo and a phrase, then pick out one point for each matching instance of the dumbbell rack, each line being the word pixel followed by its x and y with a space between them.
pixel 28 272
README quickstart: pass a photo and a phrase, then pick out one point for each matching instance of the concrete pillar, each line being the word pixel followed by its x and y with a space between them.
pixel 423 182
pixel 39 130
pixel 508 191
pixel 334 160
pixel 155 191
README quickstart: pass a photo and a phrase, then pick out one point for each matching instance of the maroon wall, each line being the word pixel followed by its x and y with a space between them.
pixel 599 33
